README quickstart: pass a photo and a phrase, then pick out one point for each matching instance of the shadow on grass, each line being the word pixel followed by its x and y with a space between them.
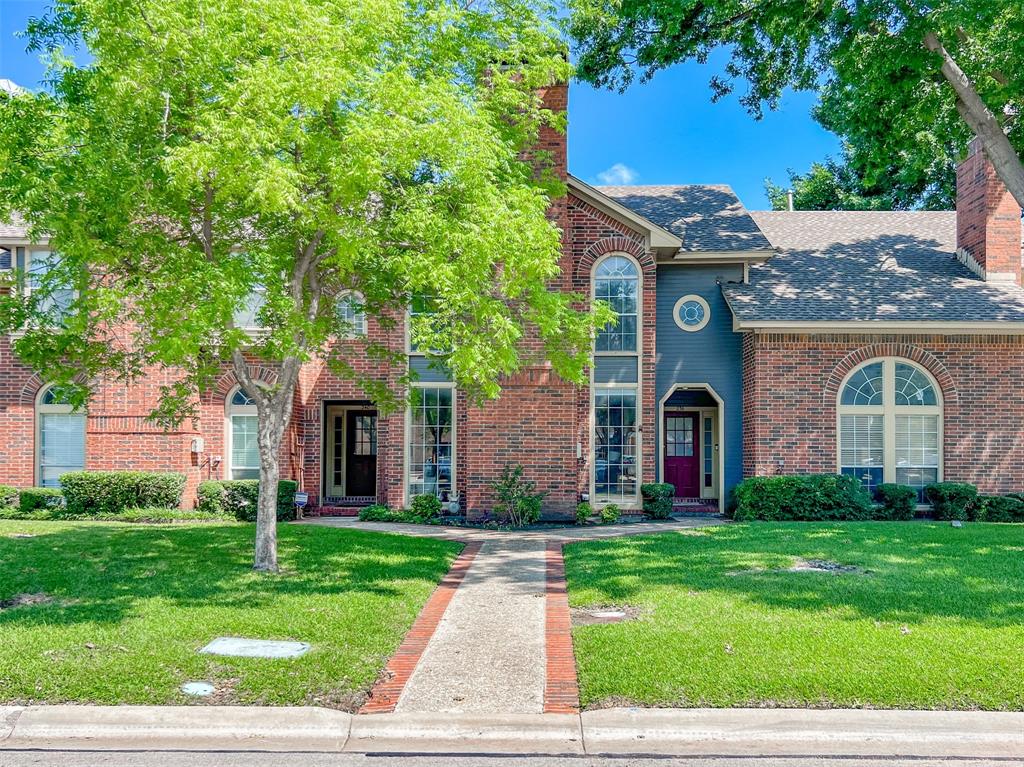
pixel 916 571
pixel 98 572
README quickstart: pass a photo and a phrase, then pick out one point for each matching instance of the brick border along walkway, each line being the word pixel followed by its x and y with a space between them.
pixel 385 693
pixel 561 687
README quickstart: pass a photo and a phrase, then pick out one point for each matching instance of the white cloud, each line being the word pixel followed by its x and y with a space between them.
pixel 617 175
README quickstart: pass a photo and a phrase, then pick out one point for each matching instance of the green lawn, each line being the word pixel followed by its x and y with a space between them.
pixel 132 604
pixel 937 621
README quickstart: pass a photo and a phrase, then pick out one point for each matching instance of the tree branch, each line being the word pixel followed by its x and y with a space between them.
pixel 981 120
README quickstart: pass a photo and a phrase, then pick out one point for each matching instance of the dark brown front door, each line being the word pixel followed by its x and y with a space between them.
pixel 682 453
pixel 361 453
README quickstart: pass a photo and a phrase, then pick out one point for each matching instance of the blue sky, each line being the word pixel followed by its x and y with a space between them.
pixel 666 131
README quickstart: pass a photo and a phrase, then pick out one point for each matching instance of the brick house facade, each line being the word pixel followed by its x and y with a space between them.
pixel 885 345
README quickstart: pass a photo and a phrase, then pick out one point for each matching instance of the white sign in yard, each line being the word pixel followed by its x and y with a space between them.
pixel 255 648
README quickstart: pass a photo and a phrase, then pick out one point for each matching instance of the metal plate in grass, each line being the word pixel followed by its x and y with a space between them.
pixel 590 616
pixel 197 689
pixel 241 647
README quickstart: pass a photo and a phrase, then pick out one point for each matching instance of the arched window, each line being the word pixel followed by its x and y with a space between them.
pixel 242 423
pixel 60 438
pixel 890 424
pixel 617 282
pixel 351 315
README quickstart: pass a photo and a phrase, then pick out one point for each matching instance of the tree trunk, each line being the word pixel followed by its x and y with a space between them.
pixel 979 117
pixel 273 411
pixel 270 434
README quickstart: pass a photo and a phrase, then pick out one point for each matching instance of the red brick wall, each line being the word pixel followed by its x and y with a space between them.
pixel 791 383
pixel 988 218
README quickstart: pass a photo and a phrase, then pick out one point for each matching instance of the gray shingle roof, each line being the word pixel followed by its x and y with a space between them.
pixel 867 266
pixel 14 229
pixel 705 216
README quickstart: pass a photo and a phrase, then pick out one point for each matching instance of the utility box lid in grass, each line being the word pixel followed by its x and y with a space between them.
pixel 240 647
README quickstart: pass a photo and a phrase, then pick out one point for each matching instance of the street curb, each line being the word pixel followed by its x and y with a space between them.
pixel 614 732
pixel 478 733
pixel 180 727
pixel 804 732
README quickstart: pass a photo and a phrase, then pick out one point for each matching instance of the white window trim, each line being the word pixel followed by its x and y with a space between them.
pixel 407 452
pixel 630 502
pixel 40 410
pixel 229 411
pixel 889 410
pixel 718 477
pixel 691 328
pixel 639 305
pixel 357 332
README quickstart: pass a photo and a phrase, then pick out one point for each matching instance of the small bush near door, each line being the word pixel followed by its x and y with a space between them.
pixel 808 497
pixel 951 500
pixel 658 499
pixel 584 511
pixel 896 501
pixel 518 503
pixel 425 508
pixel 238 498
pixel 610 514
pixel 101 493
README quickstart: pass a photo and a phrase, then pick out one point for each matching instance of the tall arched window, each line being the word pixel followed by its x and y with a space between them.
pixel 242 422
pixel 60 438
pixel 890 424
pixel 617 282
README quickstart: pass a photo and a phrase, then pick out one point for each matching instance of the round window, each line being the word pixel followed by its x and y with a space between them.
pixel 691 313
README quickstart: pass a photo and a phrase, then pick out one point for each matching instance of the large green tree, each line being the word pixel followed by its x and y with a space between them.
pixel 841 184
pixel 905 81
pixel 216 150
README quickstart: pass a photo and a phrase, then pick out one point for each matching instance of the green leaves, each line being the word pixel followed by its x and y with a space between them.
pixel 881 90
pixel 295 149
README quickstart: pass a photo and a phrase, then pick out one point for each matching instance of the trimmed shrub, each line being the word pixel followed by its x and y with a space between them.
pixel 378 512
pixel 94 493
pixel 425 507
pixel 897 501
pixel 610 514
pixel 518 503
pixel 584 511
pixel 997 508
pixel 658 499
pixel 33 499
pixel 951 500
pixel 238 498
pixel 805 498
pixel 8 497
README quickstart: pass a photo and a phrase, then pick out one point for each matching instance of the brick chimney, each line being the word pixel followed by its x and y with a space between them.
pixel 988 220
pixel 556 98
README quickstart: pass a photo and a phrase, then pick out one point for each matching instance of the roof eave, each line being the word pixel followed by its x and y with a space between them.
pixel 658 238
pixel 928 327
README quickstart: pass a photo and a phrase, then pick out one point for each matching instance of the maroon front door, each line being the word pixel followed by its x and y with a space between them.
pixel 682 453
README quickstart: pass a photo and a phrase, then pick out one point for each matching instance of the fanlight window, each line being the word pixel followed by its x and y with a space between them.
pixel 890 425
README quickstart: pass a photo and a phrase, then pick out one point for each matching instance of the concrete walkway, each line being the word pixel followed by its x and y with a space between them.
pixel 489 654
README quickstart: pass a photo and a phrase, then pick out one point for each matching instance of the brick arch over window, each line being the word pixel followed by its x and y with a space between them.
pixel 229 381
pixel 906 351
pixel 612 245
pixel 30 391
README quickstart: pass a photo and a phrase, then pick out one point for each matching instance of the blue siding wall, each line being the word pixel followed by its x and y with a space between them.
pixel 712 355
pixel 425 373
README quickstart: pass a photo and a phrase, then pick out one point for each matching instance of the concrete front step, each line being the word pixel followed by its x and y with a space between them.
pixel 335 511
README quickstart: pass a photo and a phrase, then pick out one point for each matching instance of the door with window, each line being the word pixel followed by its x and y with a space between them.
pixel 360 453
pixel 682 453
